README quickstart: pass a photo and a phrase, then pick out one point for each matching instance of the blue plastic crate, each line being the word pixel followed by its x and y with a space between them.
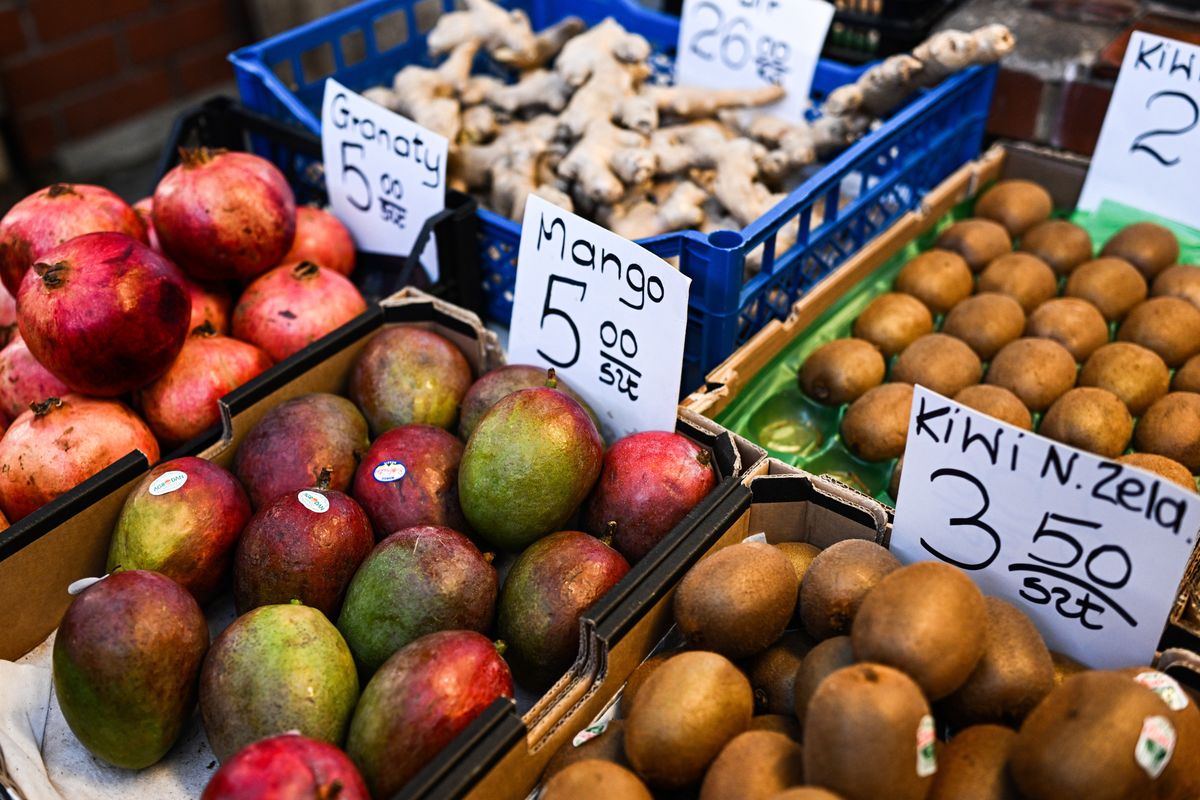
pixel 885 173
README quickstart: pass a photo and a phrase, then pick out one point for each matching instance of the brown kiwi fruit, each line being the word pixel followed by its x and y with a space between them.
pixel 1180 280
pixel 595 780
pixel 875 426
pixel 806 793
pixel 1163 467
pixel 1112 285
pixel 1131 372
pixel 973 766
pixel 822 661
pixel 938 278
pixel 998 402
pixel 1016 204
pixel 1081 739
pixel 800 554
pixel 785 724
pixel 1171 428
pixel 608 746
pixel 772 673
pixel 893 321
pixel 1013 674
pixel 1167 325
pixel 841 371
pixel 1187 377
pixel 1064 667
pixel 1181 776
pixel 938 362
pixel 836 583
pixel 755 765
pixel 861 734
pixel 1023 277
pixel 1061 244
pixel 894 481
pixel 977 240
pixel 1037 371
pixel 685 714
pixel 1147 245
pixel 737 601
pixel 638 677
pixel 986 322
pixel 1091 419
pixel 1075 324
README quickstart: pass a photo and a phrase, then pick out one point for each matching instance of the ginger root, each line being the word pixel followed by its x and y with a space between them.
pixel 682 209
pixel 505 35
pixel 606 160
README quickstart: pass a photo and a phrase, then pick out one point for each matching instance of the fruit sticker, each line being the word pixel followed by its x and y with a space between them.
pixel 1165 687
pixel 926 759
pixel 168 482
pixel 389 471
pixel 313 501
pixel 1155 745
pixel 589 733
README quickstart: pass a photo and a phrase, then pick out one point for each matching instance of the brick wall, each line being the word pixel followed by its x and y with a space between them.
pixel 71 68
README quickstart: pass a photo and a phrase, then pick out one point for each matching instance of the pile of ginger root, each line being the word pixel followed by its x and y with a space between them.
pixel 585 127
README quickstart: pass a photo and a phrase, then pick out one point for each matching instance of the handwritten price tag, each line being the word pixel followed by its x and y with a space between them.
pixel 385 174
pixel 744 44
pixel 1148 154
pixel 608 315
pixel 1093 551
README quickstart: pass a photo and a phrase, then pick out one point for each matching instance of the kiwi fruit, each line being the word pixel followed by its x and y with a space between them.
pixel 800 554
pixel 861 734
pixel 822 661
pixel 893 321
pixel 685 714
pixel 806 793
pixel 638 677
pixel 973 766
pixel 998 402
pixel 1091 419
pixel 938 278
pixel 875 426
pixel 978 241
pixel 1131 372
pixel 1016 204
pixel 1167 325
pixel 893 487
pixel 841 371
pixel 1181 777
pixel 1037 371
pixel 938 362
pixel 1147 245
pixel 1180 280
pixel 1112 285
pixel 927 619
pixel 1171 428
pixel 595 780
pixel 1187 377
pixel 836 583
pixel 737 601
pixel 1161 466
pixel 1025 278
pixel 1081 740
pixel 755 765
pixel 785 724
pixel 1061 244
pixel 1064 667
pixel 1075 324
pixel 772 673
pixel 986 322
pixel 608 746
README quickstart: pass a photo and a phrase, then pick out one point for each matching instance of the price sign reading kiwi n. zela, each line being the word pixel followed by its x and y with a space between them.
pixel 1092 550
pixel 608 315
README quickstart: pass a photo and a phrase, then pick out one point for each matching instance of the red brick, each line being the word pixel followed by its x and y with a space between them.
pixel 36 137
pixel 117 102
pixel 206 67
pixel 12 38
pixel 57 19
pixel 37 78
pixel 1081 115
pixel 188 26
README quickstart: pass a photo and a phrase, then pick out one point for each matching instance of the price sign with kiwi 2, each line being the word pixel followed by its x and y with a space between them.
pixel 1092 550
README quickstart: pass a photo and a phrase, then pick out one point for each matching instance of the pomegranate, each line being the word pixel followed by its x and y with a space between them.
pixel 322 238
pixel 59 443
pixel 293 305
pixel 222 215
pixel 182 403
pixel 23 379
pixel 104 313
pixel 8 316
pixel 211 304
pixel 145 212
pixel 287 767
pixel 51 216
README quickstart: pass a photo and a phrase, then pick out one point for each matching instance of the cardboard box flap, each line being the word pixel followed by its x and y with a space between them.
pixel 807 508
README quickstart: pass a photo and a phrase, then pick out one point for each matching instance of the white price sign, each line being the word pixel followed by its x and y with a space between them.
pixel 608 315
pixel 1093 551
pixel 385 174
pixel 1148 154
pixel 745 44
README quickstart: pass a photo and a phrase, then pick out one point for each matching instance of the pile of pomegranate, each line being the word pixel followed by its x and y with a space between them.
pixel 118 323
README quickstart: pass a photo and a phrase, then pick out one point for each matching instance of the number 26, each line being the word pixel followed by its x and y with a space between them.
pixel 1141 138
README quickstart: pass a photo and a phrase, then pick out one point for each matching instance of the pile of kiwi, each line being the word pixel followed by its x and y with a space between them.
pixel 1012 313
pixel 818 675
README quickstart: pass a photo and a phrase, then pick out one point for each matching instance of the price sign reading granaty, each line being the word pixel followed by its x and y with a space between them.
pixel 1093 551
pixel 745 44
pixel 385 174
pixel 608 315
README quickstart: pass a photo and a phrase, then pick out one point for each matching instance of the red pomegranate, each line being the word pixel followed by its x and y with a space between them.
pixel 51 216
pixel 60 443
pixel 8 314
pixel 104 313
pixel 145 212
pixel 287 767
pixel 222 215
pixel 211 304
pixel 182 402
pixel 321 238
pixel 23 379
pixel 293 305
